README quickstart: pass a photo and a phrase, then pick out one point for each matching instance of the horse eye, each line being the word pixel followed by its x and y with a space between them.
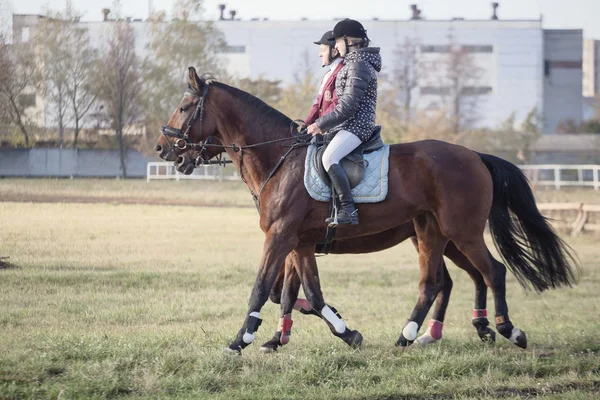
pixel 183 108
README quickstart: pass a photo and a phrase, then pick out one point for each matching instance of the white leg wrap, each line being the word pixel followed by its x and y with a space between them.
pixel 410 331
pixel 514 335
pixel 338 324
pixel 249 337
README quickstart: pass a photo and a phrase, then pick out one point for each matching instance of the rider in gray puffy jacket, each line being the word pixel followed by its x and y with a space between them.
pixel 353 119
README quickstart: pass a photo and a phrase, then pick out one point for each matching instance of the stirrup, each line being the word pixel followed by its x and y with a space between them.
pixel 348 219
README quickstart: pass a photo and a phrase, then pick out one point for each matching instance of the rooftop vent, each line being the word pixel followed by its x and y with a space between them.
pixel 495 8
pixel 416 13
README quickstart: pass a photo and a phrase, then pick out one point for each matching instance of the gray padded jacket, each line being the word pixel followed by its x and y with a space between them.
pixel 356 88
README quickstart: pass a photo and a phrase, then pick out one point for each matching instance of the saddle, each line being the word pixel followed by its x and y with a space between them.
pixel 354 163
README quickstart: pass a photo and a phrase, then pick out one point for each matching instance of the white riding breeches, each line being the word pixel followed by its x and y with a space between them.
pixel 341 145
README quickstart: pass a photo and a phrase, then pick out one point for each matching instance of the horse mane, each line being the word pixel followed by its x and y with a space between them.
pixel 253 101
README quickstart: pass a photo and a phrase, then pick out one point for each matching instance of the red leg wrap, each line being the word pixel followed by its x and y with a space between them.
pixel 479 313
pixel 302 303
pixel 285 327
pixel 435 328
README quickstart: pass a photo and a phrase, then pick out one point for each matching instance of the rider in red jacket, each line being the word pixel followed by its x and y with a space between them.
pixel 327 98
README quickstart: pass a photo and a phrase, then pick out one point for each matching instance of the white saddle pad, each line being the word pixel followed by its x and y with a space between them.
pixel 372 188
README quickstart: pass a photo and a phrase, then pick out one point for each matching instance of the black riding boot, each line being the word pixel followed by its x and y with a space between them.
pixel 348 214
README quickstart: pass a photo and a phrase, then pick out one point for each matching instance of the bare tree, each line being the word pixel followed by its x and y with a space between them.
pixel 68 63
pixel 51 37
pixel 17 85
pixel 82 69
pixel 119 80
pixel 408 69
pixel 297 98
pixel 460 90
pixel 187 40
pixel 5 69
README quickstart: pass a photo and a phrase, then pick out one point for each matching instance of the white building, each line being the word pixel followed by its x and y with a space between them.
pixel 591 67
pixel 522 65
pixel 6 19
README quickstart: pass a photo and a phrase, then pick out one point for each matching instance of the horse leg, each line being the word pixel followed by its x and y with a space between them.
pixel 309 275
pixel 431 244
pixel 479 321
pixel 288 295
pixel 494 274
pixel 276 248
pixel 436 323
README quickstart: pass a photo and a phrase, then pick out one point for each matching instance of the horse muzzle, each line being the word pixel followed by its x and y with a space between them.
pixel 185 164
pixel 165 153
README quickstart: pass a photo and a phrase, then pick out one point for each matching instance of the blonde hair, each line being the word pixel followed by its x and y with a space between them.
pixel 354 41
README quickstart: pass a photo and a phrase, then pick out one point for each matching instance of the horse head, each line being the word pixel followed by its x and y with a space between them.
pixel 190 131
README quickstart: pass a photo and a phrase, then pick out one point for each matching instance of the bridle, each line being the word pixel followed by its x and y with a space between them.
pixel 183 143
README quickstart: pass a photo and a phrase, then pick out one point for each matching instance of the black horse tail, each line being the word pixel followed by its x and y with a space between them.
pixel 527 243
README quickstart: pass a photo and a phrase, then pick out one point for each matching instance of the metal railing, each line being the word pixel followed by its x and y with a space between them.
pixel 585 175
pixel 166 170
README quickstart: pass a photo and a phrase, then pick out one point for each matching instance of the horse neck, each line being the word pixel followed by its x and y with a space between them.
pixel 242 125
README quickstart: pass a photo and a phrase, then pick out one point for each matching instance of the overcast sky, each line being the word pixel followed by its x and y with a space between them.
pixel 565 14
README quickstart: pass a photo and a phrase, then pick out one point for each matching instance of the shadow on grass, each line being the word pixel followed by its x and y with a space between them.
pixel 5 264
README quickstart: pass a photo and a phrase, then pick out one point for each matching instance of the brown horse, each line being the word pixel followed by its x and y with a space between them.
pixel 287 285
pixel 448 191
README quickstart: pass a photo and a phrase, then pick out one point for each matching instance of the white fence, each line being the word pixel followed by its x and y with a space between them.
pixel 563 175
pixel 166 170
pixel 544 175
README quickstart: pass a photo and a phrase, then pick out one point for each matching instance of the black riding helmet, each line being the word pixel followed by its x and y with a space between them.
pixel 351 28
pixel 328 40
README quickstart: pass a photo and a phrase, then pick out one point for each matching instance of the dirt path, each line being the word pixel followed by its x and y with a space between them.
pixel 47 198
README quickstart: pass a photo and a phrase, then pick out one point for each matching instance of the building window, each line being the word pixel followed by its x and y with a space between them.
pixel 476 90
pixel 435 49
pixel 468 48
pixel 27 100
pixel 234 49
pixel 488 48
pixel 435 90
pixel 445 90
pixel 25 34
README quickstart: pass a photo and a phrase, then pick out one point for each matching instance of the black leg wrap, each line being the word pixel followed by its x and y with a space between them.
pixel 486 334
pixel 253 324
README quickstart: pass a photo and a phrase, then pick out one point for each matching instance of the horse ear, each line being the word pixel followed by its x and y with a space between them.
pixel 194 80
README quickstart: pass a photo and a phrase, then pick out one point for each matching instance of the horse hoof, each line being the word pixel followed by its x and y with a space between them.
pixel 425 340
pixel 232 351
pixel 354 340
pixel 487 336
pixel 403 342
pixel 519 338
pixel 267 350
pixel 271 346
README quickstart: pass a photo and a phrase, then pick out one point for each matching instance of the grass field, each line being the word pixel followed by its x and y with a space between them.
pixel 116 300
